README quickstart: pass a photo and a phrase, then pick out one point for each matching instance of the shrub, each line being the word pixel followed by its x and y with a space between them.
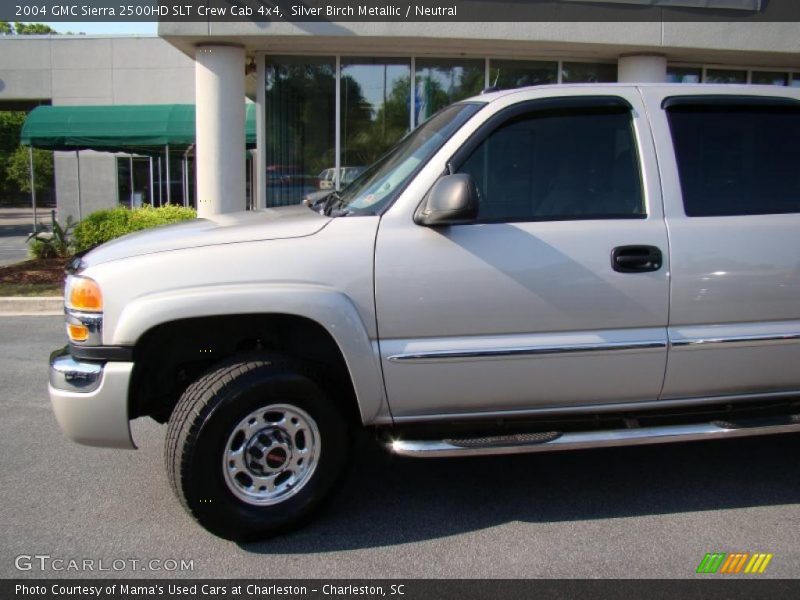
pixel 105 225
pixel 55 242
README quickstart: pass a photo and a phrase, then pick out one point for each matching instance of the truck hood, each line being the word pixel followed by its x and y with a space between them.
pixel 269 224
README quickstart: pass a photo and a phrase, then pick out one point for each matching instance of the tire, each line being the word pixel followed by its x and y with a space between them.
pixel 254 446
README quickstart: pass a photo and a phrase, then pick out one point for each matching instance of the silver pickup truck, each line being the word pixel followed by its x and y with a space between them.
pixel 530 270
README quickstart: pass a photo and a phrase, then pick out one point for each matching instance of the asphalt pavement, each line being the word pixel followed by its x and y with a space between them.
pixel 15 225
pixel 648 512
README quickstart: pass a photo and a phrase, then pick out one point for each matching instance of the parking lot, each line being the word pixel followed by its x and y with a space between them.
pixel 633 512
pixel 15 225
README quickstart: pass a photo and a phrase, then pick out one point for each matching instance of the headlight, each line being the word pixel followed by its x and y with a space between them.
pixel 84 306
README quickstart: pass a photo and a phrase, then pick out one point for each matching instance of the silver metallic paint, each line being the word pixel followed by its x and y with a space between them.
pixel 99 417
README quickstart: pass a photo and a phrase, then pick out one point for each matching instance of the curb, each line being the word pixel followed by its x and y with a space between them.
pixel 23 306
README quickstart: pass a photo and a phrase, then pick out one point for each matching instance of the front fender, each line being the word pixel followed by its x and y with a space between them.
pixel 330 308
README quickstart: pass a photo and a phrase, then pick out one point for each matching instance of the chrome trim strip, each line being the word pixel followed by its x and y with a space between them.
pixel 69 375
pixel 528 351
pixel 597 408
pixel 739 339
pixel 588 439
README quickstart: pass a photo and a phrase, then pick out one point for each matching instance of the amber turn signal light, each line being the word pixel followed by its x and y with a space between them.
pixel 77 333
pixel 84 294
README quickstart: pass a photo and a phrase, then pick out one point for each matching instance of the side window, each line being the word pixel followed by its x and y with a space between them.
pixel 559 165
pixel 737 160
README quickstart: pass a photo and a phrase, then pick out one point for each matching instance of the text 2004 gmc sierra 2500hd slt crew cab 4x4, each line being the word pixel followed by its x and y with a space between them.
pixel 530 270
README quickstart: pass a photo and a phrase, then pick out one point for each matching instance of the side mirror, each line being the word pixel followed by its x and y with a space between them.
pixel 453 200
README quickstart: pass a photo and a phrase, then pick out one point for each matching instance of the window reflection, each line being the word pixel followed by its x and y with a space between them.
pixel 375 104
pixel 725 76
pixel 300 120
pixel 684 75
pixel 575 72
pixel 770 78
pixel 440 82
pixel 509 74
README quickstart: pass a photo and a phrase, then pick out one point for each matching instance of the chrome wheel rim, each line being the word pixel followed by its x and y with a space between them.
pixel 271 454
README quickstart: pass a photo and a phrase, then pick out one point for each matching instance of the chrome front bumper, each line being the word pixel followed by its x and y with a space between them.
pixel 90 400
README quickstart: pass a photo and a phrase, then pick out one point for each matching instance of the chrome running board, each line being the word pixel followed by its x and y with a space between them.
pixel 553 441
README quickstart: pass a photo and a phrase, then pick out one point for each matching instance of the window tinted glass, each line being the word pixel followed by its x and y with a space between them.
pixel 372 189
pixel 737 160
pixel 684 74
pixel 547 165
pixel 375 98
pixel 588 72
pixel 299 137
pixel 769 78
pixel 441 81
pixel 508 74
pixel 725 76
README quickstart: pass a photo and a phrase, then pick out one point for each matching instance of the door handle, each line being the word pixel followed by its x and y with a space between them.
pixel 636 259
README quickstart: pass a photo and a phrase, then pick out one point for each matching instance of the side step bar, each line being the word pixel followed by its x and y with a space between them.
pixel 552 441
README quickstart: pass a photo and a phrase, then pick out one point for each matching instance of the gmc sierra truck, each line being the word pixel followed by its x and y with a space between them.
pixel 530 270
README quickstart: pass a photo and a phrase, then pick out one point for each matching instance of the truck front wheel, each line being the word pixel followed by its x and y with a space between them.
pixel 253 447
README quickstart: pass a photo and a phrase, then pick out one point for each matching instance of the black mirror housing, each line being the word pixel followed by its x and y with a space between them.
pixel 453 200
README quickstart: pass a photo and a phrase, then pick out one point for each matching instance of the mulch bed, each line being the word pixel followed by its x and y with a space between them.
pixel 38 271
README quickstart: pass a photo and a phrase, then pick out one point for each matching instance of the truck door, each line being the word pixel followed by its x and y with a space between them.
pixel 732 200
pixel 557 295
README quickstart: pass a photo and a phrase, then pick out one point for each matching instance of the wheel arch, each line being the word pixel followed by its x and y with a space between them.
pixel 213 323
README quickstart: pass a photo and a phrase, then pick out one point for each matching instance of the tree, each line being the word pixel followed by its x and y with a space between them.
pixel 32 28
pixel 6 28
pixel 10 128
pixel 18 169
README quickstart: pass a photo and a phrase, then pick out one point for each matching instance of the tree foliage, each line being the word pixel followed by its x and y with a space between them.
pixel 18 170
pixel 32 28
pixel 10 128
pixel 15 173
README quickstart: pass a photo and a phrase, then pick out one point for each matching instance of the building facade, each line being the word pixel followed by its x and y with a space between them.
pixel 332 97
pixel 91 70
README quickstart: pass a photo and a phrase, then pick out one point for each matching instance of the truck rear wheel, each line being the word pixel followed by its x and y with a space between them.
pixel 253 447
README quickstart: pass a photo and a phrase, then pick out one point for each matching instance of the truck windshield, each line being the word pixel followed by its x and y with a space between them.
pixel 380 184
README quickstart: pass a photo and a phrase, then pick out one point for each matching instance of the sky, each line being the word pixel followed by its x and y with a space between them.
pixel 93 28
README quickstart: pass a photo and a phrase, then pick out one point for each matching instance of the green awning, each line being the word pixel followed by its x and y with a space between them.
pixel 144 129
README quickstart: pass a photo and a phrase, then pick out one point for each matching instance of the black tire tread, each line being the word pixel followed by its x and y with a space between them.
pixel 184 424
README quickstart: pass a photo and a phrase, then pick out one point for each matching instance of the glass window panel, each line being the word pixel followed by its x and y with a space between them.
pixel 508 74
pixel 770 78
pixel 725 76
pixel 795 80
pixel 142 194
pixel 300 105
pixel 559 165
pixel 684 74
pixel 375 105
pixel 574 72
pixel 380 184
pixel 734 160
pixel 440 82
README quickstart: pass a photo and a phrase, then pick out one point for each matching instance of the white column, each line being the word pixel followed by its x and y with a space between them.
pixel 220 155
pixel 261 131
pixel 642 68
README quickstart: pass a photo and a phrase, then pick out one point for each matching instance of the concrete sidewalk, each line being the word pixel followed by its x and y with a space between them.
pixel 31 306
